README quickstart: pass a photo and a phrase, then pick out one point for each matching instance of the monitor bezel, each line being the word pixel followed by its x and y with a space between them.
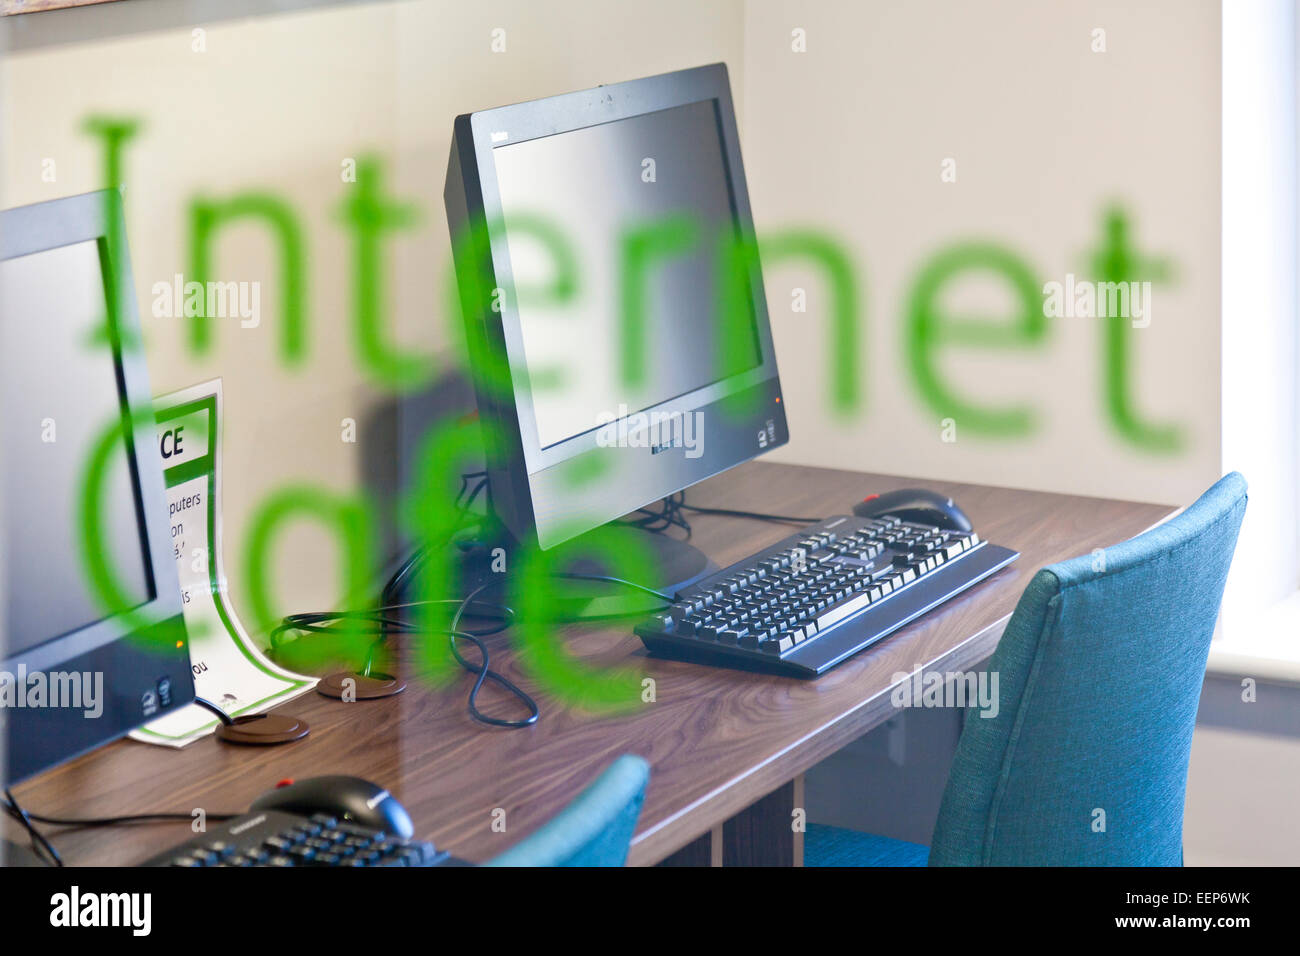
pixel 473 163
pixel 88 217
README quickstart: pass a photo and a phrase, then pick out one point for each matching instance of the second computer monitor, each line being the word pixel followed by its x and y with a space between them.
pixel 614 307
pixel 90 605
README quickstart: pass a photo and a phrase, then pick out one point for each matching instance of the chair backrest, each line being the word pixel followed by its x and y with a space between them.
pixel 595 829
pixel 1099 679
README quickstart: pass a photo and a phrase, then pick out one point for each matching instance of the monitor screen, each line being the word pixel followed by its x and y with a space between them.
pixel 58 400
pixel 595 185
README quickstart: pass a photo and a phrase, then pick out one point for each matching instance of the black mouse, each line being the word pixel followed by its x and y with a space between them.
pixel 348 798
pixel 915 504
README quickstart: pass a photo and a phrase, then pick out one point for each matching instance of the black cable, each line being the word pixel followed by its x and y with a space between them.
pixel 52 857
pixel 216 711
pixel 325 622
pixel 44 849
pixel 393 587
pixel 318 622
pixel 392 593
pixel 321 623
pixel 162 817
pixel 610 578
pixel 483 671
pixel 668 515
pixel 381 624
pixel 756 515
pixel 26 818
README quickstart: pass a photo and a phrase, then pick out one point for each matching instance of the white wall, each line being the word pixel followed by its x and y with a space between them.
pixel 850 136
pixel 1240 807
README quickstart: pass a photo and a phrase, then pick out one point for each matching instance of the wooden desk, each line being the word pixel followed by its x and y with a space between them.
pixel 718 741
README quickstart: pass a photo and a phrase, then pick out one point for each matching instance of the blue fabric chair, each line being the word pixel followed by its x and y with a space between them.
pixel 1100 672
pixel 595 829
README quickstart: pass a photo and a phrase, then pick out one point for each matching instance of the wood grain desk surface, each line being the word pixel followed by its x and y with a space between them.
pixel 717 740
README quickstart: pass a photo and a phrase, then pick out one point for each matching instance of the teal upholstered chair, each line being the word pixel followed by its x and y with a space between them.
pixel 595 829
pixel 1100 673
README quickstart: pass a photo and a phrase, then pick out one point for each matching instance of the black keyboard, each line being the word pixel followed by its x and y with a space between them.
pixel 821 595
pixel 274 838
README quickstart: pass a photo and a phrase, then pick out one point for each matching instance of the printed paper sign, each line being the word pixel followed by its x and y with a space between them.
pixel 229 669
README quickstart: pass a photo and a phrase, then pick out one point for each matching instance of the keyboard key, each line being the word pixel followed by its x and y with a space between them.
pixel 839 612
pixel 776 645
pixel 410 855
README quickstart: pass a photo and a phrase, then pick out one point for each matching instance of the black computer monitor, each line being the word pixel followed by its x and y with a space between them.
pixel 82 662
pixel 564 196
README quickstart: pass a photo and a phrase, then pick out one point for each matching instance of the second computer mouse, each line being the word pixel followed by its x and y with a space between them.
pixel 348 798
pixel 915 504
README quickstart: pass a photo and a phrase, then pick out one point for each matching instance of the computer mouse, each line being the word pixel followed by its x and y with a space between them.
pixel 920 505
pixel 348 798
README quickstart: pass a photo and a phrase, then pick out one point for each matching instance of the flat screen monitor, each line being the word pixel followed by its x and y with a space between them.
pixel 81 488
pixel 618 332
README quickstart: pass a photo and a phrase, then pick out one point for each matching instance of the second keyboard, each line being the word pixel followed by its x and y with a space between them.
pixel 821 595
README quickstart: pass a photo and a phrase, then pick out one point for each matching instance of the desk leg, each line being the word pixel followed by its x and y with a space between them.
pixel 763 833
pixel 699 852
pixel 760 835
